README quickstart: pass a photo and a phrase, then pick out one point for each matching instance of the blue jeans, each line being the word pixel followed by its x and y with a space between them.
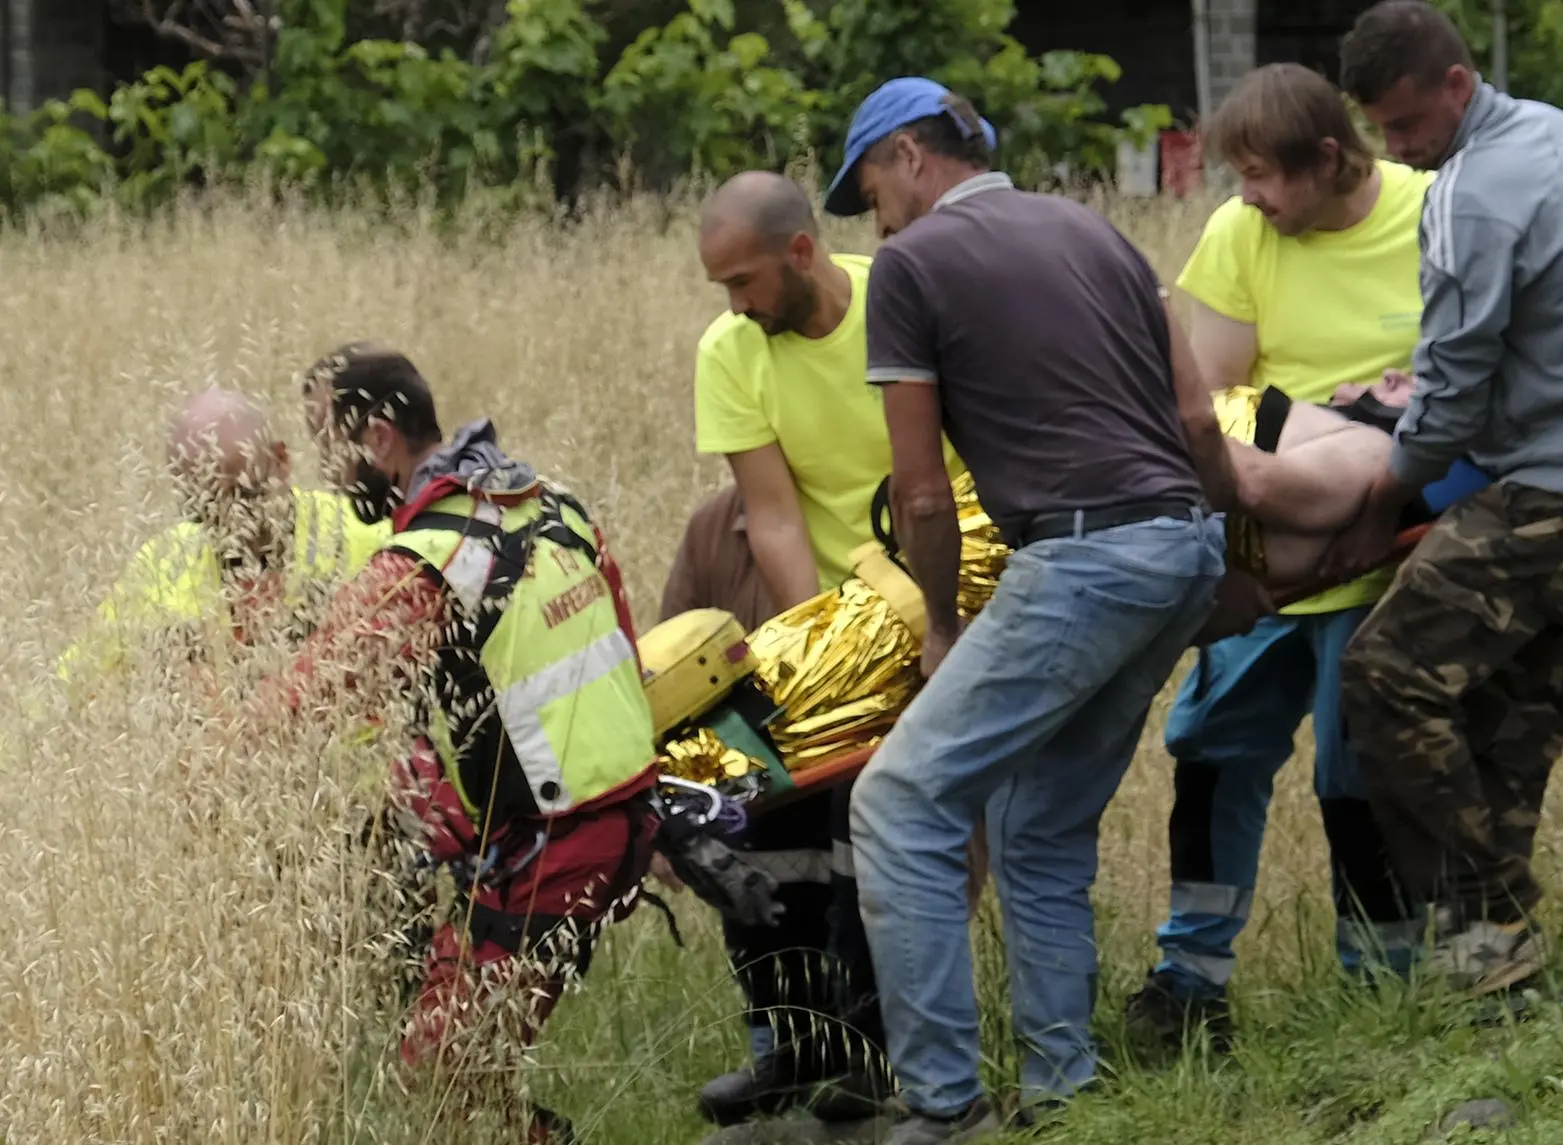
pixel 1032 718
pixel 1231 730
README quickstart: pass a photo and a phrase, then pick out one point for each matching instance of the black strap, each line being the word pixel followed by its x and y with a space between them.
pixel 1270 419
pixel 1368 410
pixel 513 549
pixel 882 521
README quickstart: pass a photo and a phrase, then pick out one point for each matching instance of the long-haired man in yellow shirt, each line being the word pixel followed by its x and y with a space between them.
pixel 1306 281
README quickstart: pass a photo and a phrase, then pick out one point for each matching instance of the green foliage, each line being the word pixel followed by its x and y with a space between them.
pixel 1535 42
pixel 694 95
pixel 1047 110
pixel 704 93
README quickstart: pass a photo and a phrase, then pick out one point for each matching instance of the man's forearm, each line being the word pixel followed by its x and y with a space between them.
pixel 1212 460
pixel 929 533
pixel 785 557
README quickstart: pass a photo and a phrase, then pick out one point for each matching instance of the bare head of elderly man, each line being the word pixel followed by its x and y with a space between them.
pixel 232 474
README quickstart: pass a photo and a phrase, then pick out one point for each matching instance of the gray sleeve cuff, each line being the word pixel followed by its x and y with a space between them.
pixel 1413 468
pixel 885 375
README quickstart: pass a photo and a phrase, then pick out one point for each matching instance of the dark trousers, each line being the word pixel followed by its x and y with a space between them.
pixel 1453 689
pixel 810 979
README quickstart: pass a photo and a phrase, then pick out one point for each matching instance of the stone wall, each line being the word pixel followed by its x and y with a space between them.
pixel 1233 44
pixel 52 47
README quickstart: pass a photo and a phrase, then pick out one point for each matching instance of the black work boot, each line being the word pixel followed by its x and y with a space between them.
pixel 770 1084
pixel 777 1082
pixel 852 1096
pixel 1171 1012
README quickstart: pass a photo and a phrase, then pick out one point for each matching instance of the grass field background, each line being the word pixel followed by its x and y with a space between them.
pixel 183 954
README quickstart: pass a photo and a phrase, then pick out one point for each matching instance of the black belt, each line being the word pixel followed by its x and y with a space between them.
pixel 1051 526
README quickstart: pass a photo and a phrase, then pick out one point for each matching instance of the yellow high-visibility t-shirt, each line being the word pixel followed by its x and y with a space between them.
pixel 809 395
pixel 1328 307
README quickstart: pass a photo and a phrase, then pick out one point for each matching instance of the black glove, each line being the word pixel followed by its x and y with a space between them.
pixel 717 874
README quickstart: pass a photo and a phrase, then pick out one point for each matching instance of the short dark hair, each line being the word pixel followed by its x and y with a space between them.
pixel 955 133
pixel 369 380
pixel 1280 114
pixel 1395 39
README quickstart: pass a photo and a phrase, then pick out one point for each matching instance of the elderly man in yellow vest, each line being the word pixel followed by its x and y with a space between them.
pixel 254 550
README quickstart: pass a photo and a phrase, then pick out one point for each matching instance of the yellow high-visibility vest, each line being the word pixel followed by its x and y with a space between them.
pixel 536 705
pixel 174 580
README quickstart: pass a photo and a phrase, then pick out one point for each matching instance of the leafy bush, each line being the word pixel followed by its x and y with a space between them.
pixel 703 93
pixel 1535 42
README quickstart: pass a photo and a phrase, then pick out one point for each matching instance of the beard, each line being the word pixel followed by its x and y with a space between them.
pixel 373 494
pixel 799 299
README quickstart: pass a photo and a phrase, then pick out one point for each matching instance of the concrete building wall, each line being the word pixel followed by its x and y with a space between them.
pixel 1233 44
pixel 18 16
pixel 52 47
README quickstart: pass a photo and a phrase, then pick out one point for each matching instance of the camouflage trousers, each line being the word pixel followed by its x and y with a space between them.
pixel 1453 694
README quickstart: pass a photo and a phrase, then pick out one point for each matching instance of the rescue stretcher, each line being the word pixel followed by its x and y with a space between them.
pixel 714 699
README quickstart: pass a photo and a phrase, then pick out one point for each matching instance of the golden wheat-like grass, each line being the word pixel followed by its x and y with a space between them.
pixel 186 954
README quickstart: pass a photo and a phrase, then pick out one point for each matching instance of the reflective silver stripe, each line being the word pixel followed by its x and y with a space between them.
pixel 1379 938
pixel 312 549
pixel 841 860
pixel 468 570
pixel 520 709
pixel 1212 898
pixel 1214 970
pixel 792 866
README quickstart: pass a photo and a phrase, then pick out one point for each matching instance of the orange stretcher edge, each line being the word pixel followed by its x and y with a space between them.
pixel 845 765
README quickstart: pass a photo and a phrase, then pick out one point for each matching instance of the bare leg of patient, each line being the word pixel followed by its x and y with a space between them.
pixel 1310 488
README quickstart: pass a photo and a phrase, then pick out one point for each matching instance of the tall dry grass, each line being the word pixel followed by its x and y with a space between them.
pixel 184 954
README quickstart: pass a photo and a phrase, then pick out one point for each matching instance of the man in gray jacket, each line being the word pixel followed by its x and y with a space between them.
pixel 1453 687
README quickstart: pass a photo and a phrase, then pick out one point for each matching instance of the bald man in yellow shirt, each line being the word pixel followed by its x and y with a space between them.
pixel 1305 282
pixel 253 549
pixel 780 393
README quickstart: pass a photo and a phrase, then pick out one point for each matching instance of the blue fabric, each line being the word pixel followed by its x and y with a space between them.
pixel 1460 482
pixel 1032 718
pixel 1237 712
pixel 890 106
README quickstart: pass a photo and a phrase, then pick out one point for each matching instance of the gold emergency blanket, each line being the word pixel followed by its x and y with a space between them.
pixel 843 665
pixel 704 758
pixel 983 551
pixel 1237 411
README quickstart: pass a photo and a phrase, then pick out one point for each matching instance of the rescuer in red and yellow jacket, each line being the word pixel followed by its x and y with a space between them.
pixel 498 611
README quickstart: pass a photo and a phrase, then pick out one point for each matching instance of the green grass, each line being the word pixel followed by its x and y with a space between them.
pixel 166 981
pixel 1319 1060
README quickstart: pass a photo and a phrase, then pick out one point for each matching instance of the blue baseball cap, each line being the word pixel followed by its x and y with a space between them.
pixel 892 105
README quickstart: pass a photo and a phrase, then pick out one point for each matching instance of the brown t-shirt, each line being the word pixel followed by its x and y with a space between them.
pixel 1044 329
pixel 714 567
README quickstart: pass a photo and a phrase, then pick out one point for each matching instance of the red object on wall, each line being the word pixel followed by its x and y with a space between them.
pixel 1182 162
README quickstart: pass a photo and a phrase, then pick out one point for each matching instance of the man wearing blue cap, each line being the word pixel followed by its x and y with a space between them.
pixel 1038 339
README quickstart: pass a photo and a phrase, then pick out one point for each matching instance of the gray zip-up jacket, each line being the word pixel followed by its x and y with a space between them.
pixel 1489 365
